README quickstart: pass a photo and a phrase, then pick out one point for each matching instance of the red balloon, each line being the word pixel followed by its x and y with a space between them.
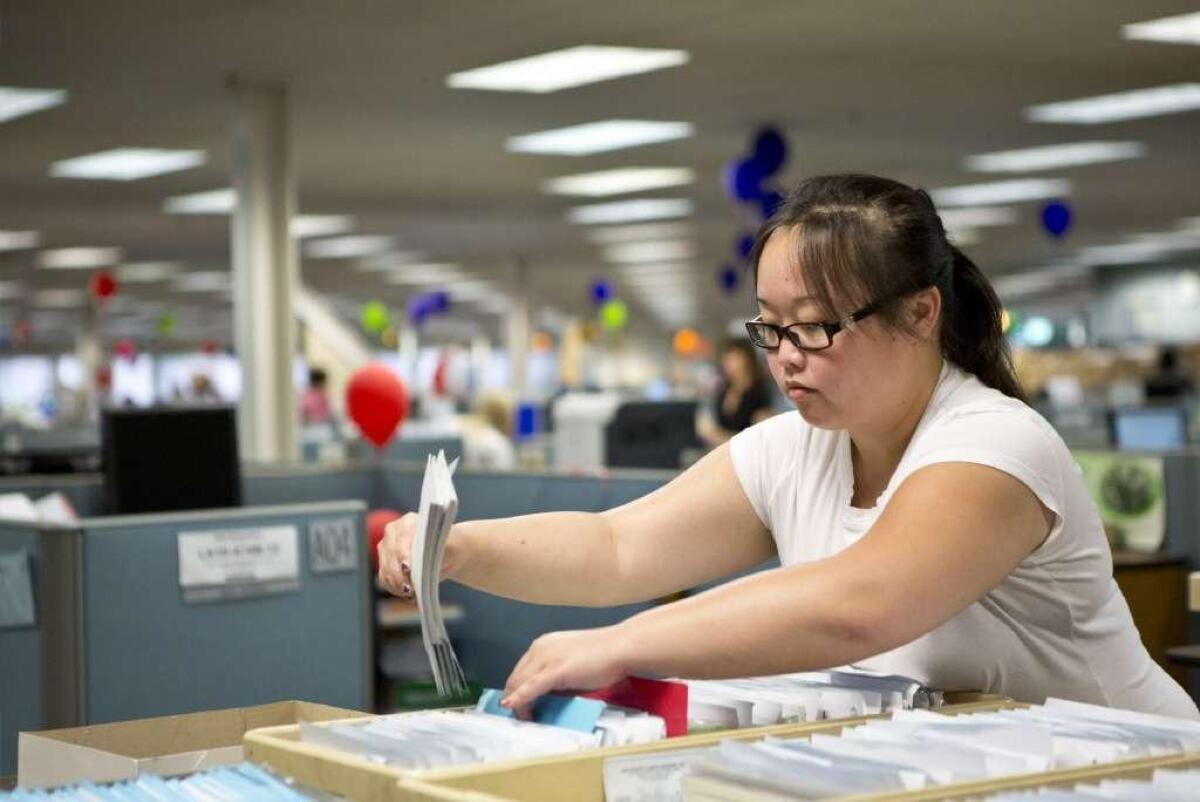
pixel 209 347
pixel 102 285
pixel 377 402
pixel 125 349
pixel 377 521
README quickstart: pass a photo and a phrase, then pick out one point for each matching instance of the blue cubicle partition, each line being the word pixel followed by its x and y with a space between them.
pixel 115 638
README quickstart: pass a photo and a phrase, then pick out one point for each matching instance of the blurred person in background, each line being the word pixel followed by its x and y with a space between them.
pixel 314 402
pixel 486 442
pixel 742 397
pixel 1169 382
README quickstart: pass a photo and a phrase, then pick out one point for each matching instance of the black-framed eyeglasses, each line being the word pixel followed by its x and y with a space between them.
pixel 807 336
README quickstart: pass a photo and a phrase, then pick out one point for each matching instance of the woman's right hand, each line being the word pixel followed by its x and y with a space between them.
pixel 395 555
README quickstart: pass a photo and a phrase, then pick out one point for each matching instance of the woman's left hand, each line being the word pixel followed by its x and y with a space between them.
pixel 581 660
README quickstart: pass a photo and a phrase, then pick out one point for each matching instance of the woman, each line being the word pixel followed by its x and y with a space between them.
pixel 928 522
pixel 742 398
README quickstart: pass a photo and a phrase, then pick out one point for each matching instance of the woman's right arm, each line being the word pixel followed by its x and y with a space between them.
pixel 698 527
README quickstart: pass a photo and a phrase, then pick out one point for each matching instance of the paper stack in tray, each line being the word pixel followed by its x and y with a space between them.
pixel 439 505
pixel 806 696
pixel 917 749
pixel 1165 785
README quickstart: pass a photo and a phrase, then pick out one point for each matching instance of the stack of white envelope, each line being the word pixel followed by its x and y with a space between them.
pixel 241 783
pixel 918 749
pixel 437 739
pixel 1165 785
pixel 438 507
pixel 807 696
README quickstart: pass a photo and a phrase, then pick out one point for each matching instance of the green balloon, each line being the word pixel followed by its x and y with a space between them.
pixel 614 314
pixel 166 324
pixel 374 317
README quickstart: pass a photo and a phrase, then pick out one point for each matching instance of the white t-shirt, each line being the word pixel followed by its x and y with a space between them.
pixel 1056 626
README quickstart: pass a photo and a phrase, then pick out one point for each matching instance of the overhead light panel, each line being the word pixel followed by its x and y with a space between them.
pixel 1182 29
pixel 19 240
pixel 1052 157
pixel 1152 102
pixel 427 274
pixel 203 281
pixel 630 210
pixel 79 258
pixel 619 181
pixel 216 201
pixel 146 272
pixel 390 260
pixel 59 299
pixel 564 69
pixel 978 216
pixel 321 225
pixel 349 247
pixel 637 233
pixel 17 102
pixel 996 192
pixel 599 137
pixel 128 164
pixel 10 290
pixel 653 251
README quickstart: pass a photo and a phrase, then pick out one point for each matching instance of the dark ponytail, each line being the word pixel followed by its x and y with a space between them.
pixel 863 238
pixel 972 333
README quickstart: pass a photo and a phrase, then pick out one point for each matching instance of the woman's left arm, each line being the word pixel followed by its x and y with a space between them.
pixel 951 532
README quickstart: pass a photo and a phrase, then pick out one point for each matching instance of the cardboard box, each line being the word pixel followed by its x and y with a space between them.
pixel 165 745
pixel 577 776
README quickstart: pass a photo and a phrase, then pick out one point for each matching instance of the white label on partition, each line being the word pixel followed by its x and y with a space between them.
pixel 332 546
pixel 16 590
pixel 238 563
pixel 656 777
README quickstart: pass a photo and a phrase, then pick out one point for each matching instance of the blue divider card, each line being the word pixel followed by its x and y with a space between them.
pixel 16 590
pixel 571 712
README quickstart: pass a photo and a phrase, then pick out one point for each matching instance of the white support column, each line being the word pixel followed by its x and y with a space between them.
pixel 517 330
pixel 264 270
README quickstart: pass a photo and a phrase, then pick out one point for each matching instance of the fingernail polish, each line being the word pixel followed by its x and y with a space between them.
pixel 406 589
pixel 404 566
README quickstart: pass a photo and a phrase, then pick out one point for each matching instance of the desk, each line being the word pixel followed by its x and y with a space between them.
pixel 1155 585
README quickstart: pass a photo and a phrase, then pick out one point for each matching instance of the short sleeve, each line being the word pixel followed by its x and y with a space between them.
pixel 760 453
pixel 1011 440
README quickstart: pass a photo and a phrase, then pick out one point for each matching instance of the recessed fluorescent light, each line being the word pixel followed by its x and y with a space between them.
pixel 348 247
pixel 1052 157
pixel 472 290
pixel 146 272
pixel 203 281
pixel 216 201
pixel 599 137
pixel 19 240
pixel 630 210
pixel 978 216
pixel 1119 106
pixel 79 258
pixel 59 299
pixel 637 233
pixel 563 69
pixel 663 251
pixel 390 260
pixel 1014 191
pixel 321 225
pixel 1179 29
pixel 427 274
pixel 11 289
pixel 16 102
pixel 618 181
pixel 128 164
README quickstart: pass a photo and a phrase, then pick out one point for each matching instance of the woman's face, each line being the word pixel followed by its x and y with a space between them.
pixel 859 380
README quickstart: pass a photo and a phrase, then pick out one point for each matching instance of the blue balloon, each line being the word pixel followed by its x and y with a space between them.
pixel 1056 218
pixel 741 179
pixel 601 291
pixel 768 202
pixel 727 277
pixel 745 246
pixel 418 308
pixel 770 150
pixel 439 301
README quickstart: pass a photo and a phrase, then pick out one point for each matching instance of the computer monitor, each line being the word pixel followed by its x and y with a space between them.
pixel 170 458
pixel 1150 428
pixel 650 434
